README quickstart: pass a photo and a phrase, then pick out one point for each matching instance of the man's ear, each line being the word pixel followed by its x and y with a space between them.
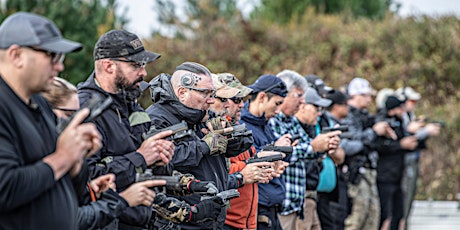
pixel 181 93
pixel 108 66
pixel 15 55
pixel 262 97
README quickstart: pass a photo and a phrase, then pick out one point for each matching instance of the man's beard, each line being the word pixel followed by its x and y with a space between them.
pixel 130 90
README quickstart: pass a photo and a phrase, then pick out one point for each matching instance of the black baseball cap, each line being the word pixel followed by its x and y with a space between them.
pixel 269 83
pixel 337 97
pixel 318 84
pixel 121 43
pixel 27 29
pixel 393 102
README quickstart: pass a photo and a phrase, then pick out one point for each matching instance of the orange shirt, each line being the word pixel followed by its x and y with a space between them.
pixel 243 210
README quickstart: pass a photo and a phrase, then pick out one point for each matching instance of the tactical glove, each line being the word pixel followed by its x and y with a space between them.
pixel 216 142
pixel 188 185
pixel 208 209
pixel 172 209
pixel 216 123
pixel 203 187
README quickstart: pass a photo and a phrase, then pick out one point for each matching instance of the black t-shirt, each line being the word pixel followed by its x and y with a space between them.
pixel 30 198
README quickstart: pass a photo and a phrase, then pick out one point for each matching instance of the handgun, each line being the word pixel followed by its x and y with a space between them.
pixel 343 128
pixel 232 129
pixel 183 184
pixel 284 149
pixel 180 131
pixel 226 195
pixel 271 158
pixel 96 106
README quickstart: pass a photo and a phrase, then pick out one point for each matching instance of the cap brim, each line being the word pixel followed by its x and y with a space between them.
pixel 144 57
pixel 227 92
pixel 325 90
pixel 323 102
pixel 415 96
pixel 61 45
pixel 244 91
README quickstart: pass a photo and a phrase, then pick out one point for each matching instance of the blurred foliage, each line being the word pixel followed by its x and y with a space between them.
pixel 420 52
pixel 79 20
pixel 283 11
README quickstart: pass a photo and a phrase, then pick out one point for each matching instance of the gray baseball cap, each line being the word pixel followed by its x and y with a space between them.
pixel 312 97
pixel 27 29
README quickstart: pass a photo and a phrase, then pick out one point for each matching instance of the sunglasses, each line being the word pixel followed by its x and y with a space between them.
pixel 237 100
pixel 67 112
pixel 55 57
pixel 223 100
pixel 134 64
pixel 207 92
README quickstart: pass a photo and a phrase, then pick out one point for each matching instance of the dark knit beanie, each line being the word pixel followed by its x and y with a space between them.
pixel 392 102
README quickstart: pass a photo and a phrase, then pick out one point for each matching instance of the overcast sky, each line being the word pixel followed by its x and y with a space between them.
pixel 142 20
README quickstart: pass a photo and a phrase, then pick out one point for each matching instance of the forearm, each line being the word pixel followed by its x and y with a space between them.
pixel 21 185
pixel 59 163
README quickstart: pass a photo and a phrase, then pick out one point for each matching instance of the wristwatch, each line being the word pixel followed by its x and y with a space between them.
pixel 239 177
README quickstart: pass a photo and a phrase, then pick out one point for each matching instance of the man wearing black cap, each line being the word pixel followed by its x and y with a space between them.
pixel 391 163
pixel 268 93
pixel 37 166
pixel 120 60
pixel 316 83
pixel 334 217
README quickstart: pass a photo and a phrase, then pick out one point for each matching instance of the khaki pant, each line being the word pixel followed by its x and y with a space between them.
pixel 288 222
pixel 365 212
pixel 311 220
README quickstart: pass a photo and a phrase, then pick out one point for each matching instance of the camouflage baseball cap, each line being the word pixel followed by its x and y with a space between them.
pixel 230 80
pixel 222 90
pixel 121 43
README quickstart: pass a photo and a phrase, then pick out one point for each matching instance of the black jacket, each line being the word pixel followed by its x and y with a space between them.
pixel 102 213
pixel 391 155
pixel 191 155
pixel 360 124
pixel 120 141
pixel 30 198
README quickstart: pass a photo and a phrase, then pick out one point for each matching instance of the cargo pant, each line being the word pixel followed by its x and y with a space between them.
pixel 365 210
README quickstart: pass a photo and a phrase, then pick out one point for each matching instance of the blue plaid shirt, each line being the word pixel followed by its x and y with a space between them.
pixel 294 175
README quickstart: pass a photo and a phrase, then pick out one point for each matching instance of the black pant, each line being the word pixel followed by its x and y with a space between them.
pixel 343 203
pixel 272 214
pixel 391 203
pixel 330 212
pixel 228 227
pixel 324 212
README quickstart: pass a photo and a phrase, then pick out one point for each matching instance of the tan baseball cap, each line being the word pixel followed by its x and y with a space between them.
pixel 230 80
pixel 223 90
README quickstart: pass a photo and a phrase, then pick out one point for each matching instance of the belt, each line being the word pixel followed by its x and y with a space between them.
pixel 264 219
pixel 311 194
